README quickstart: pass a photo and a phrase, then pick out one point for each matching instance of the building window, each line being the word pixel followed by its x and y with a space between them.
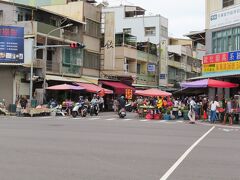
pixel 150 31
pixel 28 17
pixel 227 3
pixel 1 17
pixel 91 60
pixel 20 17
pixel 226 40
pixel 93 28
pixel 127 30
pixel 164 31
pixel 138 68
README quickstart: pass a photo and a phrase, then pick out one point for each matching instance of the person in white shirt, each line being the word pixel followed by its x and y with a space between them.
pixel 191 112
pixel 213 107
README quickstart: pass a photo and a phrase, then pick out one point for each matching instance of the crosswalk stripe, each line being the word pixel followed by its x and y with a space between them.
pixel 143 120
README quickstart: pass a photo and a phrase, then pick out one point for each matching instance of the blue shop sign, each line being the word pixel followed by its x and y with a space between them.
pixel 234 56
pixel 11 44
pixel 162 76
pixel 151 67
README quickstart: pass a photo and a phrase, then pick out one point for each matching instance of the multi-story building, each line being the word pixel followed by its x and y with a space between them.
pixel 85 11
pixel 183 62
pixel 222 41
pixel 56 63
pixel 134 45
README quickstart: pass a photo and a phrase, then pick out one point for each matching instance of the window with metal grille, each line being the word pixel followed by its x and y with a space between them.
pixel 93 28
pixel 164 31
pixel 150 31
pixel 227 3
pixel 226 40
pixel 127 30
pixel 91 60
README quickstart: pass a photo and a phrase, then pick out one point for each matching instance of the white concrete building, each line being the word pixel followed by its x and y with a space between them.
pixel 153 29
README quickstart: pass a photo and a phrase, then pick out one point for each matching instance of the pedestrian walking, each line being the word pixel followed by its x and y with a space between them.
pixel 228 113
pixel 191 112
pixel 213 107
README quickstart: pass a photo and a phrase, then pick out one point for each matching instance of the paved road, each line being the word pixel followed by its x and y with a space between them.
pixel 108 148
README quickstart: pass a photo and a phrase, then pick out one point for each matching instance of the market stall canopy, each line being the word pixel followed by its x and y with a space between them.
pixel 94 88
pixel 65 87
pixel 152 92
pixel 208 83
pixel 119 88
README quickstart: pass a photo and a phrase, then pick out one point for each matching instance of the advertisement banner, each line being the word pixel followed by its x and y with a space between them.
pixel 128 93
pixel 234 56
pixel 225 17
pixel 11 44
pixel 215 58
pixel 220 67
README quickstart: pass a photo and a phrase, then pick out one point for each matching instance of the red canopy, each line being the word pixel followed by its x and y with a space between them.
pixel 152 92
pixel 94 88
pixel 119 88
pixel 65 87
pixel 208 83
pixel 221 84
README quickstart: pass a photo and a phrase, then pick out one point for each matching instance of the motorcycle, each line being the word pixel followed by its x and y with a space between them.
pixel 79 109
pixel 122 113
pixel 131 107
pixel 57 110
pixel 94 109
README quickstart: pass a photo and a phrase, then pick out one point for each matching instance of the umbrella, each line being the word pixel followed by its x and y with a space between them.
pixel 208 83
pixel 92 88
pixel 152 92
pixel 65 87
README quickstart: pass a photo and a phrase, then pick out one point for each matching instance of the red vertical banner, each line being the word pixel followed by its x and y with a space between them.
pixel 128 93
pixel 101 93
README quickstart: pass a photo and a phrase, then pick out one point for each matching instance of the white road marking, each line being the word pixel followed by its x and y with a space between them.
pixel 46 117
pixel 144 120
pixel 76 118
pixel 111 119
pixel 91 119
pixel 180 121
pixel 127 119
pixel 180 160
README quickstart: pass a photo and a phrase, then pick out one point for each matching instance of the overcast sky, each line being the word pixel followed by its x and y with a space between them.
pixel 183 15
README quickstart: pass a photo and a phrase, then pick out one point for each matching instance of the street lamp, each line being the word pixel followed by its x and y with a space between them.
pixel 45 61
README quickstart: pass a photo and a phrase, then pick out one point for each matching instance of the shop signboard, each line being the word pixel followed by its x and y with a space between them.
pixel 234 56
pixel 128 93
pixel 151 67
pixel 225 17
pixel 11 44
pixel 215 58
pixel 220 67
pixel 162 76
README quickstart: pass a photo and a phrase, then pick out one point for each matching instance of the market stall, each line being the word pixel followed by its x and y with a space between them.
pixel 208 83
pixel 152 93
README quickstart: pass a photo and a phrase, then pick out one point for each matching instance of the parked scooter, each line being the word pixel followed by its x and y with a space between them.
pixel 94 109
pixel 57 110
pixel 79 109
pixel 131 107
pixel 122 113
